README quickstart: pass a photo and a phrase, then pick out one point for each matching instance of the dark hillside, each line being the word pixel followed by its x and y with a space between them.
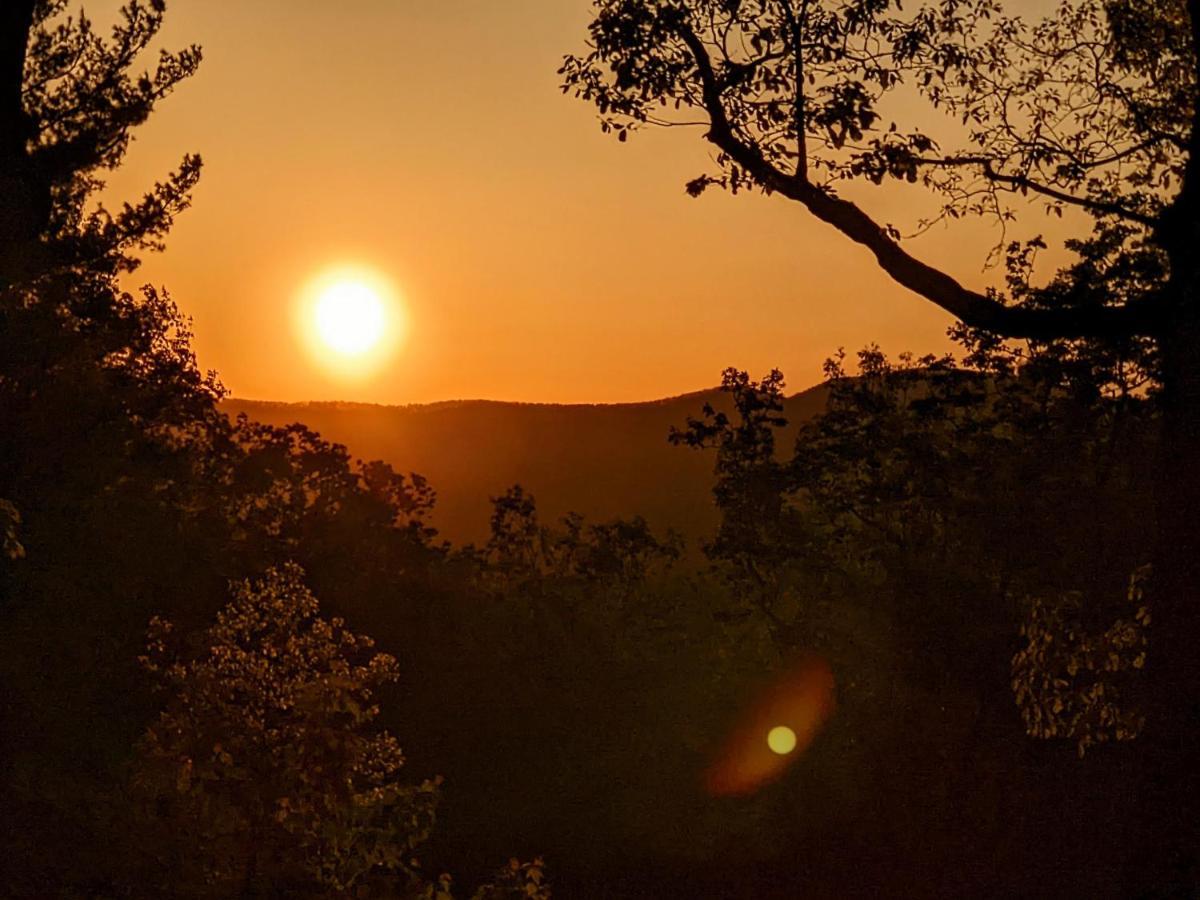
pixel 599 460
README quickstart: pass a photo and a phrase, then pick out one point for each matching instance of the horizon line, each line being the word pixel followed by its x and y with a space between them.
pixel 466 400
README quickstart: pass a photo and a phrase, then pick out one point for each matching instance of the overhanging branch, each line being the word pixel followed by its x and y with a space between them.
pixel 973 308
pixel 1021 182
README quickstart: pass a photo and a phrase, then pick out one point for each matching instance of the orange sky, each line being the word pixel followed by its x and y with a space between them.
pixel 540 260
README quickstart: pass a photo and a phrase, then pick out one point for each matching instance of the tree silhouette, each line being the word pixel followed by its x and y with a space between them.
pixel 104 415
pixel 69 101
pixel 797 98
pixel 761 534
pixel 124 490
pixel 950 539
pixel 265 766
pixel 1093 108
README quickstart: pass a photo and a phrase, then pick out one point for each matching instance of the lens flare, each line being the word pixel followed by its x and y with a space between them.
pixel 776 728
pixel 781 740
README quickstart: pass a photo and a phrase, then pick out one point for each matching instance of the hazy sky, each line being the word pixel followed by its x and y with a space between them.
pixel 538 259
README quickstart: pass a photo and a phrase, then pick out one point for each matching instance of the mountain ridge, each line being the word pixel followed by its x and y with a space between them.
pixel 469 401
pixel 602 460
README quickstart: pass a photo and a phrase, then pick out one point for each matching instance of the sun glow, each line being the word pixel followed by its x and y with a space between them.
pixel 352 322
pixel 759 749
pixel 349 317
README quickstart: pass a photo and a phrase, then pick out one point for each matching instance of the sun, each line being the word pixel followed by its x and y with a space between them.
pixel 351 320
pixel 349 317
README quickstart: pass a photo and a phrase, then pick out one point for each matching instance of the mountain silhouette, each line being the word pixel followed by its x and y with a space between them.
pixel 601 460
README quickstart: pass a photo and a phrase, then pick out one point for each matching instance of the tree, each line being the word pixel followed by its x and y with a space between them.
pixel 104 415
pixel 574 580
pixel 761 535
pixel 126 492
pixel 795 97
pixel 931 517
pixel 516 881
pixel 69 101
pixel 265 766
pixel 68 104
pixel 92 378
pixel 1092 109
pixel 925 484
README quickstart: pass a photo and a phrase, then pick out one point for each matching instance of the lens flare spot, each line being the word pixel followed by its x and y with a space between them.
pixel 781 740
pixel 802 696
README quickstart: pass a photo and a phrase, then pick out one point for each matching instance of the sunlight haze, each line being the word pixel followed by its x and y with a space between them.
pixel 541 260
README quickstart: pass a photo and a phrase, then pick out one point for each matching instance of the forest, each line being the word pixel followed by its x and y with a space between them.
pixel 239 660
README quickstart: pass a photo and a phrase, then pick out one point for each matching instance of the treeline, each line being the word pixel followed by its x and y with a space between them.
pixel 962 543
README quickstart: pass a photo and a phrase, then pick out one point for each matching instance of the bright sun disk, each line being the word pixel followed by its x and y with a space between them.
pixel 350 317
pixel 352 320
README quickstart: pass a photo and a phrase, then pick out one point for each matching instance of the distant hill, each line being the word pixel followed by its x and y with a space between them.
pixel 600 460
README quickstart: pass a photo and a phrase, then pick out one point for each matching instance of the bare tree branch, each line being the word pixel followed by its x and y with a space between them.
pixel 973 308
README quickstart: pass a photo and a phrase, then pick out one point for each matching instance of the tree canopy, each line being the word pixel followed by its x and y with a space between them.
pixel 1090 107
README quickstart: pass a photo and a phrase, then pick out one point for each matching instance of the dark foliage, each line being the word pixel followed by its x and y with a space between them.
pixel 964 543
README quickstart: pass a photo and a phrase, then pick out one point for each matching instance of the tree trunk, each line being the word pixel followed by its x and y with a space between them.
pixel 16 20
pixel 1173 727
pixel 17 203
